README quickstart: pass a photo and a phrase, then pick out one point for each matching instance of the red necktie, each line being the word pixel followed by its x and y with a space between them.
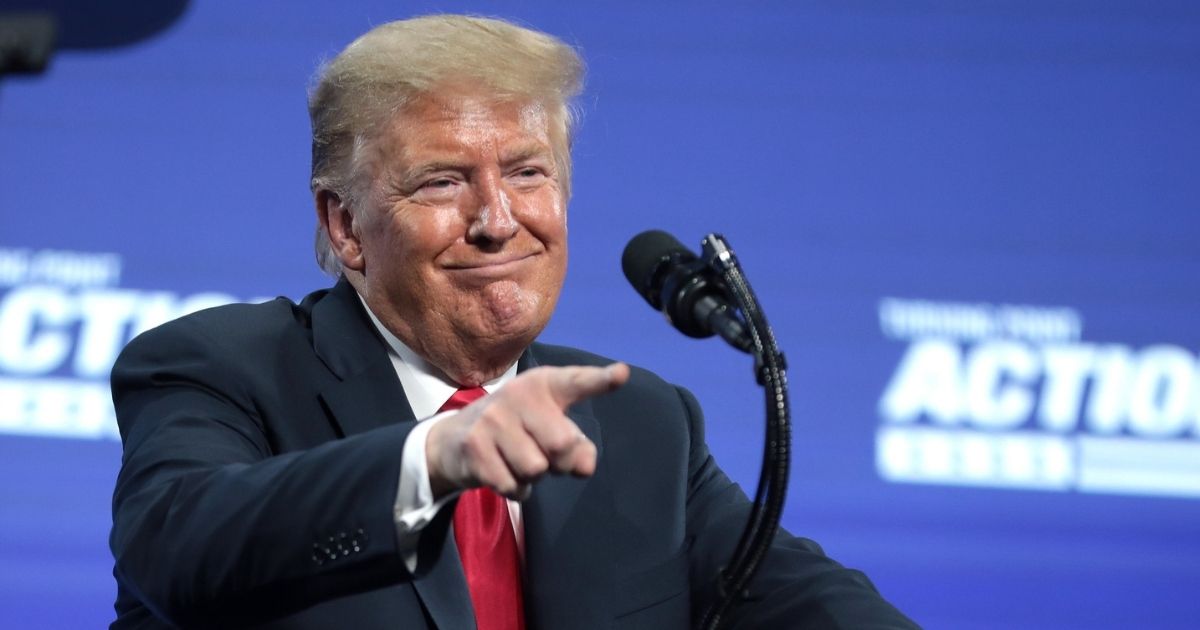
pixel 484 535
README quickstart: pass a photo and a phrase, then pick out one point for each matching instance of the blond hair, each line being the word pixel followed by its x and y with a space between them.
pixel 363 88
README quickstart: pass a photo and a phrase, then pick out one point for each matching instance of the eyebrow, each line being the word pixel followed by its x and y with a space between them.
pixel 433 167
pixel 520 154
pixel 526 152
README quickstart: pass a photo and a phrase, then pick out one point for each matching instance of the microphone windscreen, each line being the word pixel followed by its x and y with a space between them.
pixel 88 25
pixel 644 253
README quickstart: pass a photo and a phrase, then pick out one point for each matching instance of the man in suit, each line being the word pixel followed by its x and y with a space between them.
pixel 275 472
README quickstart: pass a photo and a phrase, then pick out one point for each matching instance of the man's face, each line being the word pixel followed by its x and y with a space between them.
pixel 464 235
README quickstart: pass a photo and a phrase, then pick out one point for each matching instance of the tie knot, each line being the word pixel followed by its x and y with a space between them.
pixel 463 397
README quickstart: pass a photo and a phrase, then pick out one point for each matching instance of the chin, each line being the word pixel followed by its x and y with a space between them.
pixel 521 328
pixel 506 306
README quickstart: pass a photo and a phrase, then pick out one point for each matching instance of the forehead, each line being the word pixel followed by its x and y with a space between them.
pixel 465 121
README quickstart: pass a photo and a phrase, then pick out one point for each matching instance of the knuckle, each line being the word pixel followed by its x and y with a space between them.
pixel 529 377
pixel 571 457
pixel 533 466
pixel 474 475
pixel 474 445
pixel 584 454
pixel 579 378
pixel 506 486
pixel 561 439
pixel 491 419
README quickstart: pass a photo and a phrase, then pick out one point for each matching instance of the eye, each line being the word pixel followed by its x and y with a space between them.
pixel 437 190
pixel 528 176
pixel 441 182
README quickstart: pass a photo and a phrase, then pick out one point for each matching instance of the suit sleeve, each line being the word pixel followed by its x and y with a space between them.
pixel 797 585
pixel 210 528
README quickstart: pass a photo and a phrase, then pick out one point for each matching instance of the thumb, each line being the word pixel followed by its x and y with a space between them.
pixel 572 384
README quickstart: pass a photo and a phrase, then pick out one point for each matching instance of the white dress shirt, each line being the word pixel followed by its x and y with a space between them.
pixel 427 389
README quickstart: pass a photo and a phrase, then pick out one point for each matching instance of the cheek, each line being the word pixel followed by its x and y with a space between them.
pixel 551 215
pixel 417 235
pixel 440 226
pixel 559 209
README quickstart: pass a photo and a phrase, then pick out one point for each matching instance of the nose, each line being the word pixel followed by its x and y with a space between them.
pixel 493 223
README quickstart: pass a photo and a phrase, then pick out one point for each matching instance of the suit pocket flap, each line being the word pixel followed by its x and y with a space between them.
pixel 654 585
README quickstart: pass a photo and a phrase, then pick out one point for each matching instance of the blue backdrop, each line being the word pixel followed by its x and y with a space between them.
pixel 973 226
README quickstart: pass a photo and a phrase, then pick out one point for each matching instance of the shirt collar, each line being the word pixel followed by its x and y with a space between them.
pixel 426 387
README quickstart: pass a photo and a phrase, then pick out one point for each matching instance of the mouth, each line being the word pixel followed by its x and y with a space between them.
pixel 491 268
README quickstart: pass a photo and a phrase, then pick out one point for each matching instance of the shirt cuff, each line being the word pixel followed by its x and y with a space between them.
pixel 415 507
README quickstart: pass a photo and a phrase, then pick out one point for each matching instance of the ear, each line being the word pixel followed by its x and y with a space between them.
pixel 338 222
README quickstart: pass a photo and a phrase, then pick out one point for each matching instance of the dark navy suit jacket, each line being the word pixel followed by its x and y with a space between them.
pixel 262 451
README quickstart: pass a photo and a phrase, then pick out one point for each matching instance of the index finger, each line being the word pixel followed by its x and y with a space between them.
pixel 572 384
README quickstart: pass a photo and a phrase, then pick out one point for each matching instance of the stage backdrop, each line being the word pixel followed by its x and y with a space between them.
pixel 973 226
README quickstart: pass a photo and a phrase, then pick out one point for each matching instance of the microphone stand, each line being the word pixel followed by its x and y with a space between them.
pixel 770 373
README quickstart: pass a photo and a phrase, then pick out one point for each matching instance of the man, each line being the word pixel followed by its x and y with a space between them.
pixel 274 472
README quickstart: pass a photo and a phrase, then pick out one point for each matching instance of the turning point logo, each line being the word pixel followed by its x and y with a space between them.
pixel 1010 396
pixel 63 320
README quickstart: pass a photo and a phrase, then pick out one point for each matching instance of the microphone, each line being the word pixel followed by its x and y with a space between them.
pixel 696 294
pixel 31 30
pixel 685 288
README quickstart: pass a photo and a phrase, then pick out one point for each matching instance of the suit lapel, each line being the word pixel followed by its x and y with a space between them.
pixel 366 396
pixel 443 590
pixel 555 496
pixel 568 584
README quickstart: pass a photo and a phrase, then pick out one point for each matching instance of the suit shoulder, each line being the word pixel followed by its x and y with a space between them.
pixel 242 328
pixel 550 354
